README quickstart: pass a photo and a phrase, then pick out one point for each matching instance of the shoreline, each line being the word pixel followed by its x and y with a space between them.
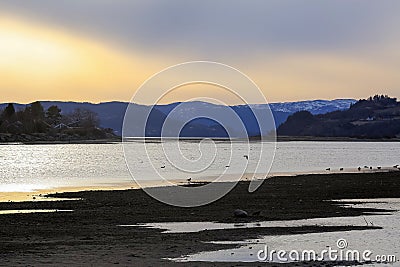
pixel 41 194
pixel 99 141
pixel 251 139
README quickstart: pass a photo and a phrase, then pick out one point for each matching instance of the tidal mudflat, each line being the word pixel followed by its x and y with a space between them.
pixel 91 232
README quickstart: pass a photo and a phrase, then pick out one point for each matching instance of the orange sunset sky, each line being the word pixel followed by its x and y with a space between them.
pixel 104 50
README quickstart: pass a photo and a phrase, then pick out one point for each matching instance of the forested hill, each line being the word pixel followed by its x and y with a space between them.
pixel 35 123
pixel 373 118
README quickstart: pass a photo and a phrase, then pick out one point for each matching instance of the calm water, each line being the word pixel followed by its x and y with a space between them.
pixel 30 167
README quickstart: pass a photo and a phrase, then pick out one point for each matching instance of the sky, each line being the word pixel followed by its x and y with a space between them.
pixel 103 50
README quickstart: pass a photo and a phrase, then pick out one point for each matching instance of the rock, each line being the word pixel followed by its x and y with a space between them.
pixel 240 213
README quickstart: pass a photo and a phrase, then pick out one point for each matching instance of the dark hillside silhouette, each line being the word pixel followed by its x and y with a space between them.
pixel 34 123
pixel 111 114
pixel 375 117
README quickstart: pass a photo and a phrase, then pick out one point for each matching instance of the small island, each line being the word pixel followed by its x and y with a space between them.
pixel 35 124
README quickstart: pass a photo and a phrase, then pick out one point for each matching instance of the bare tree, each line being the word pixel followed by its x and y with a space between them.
pixel 83 118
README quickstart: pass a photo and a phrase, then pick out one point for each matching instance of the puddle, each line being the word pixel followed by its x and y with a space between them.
pixel 192 227
pixel 30 211
pixel 45 199
pixel 375 203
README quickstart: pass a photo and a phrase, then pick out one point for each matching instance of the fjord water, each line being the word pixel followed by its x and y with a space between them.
pixel 32 167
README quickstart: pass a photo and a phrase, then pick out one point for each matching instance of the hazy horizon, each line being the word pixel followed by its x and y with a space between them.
pixel 111 101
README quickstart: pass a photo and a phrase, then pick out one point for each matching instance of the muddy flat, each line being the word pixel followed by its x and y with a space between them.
pixel 89 233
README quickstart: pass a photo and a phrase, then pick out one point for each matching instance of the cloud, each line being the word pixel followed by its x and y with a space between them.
pixel 292 49
pixel 215 27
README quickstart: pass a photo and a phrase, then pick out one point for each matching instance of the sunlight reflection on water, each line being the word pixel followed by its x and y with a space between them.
pixel 32 167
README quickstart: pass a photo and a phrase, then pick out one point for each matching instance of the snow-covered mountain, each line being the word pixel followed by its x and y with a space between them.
pixel 313 106
pixel 186 110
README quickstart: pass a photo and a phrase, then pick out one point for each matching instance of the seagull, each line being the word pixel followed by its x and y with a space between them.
pixel 395 166
pixel 359 168
pixel 370 168
pixel 328 169
pixel 189 179
pixel 247 157
pixel 162 167
pixel 341 169
pixel 379 167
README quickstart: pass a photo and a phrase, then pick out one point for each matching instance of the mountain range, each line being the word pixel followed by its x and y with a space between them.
pixel 111 114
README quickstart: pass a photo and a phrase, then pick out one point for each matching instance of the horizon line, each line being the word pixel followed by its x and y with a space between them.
pixel 166 104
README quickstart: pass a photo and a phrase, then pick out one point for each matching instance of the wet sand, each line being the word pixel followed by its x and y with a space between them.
pixel 90 235
pixel 44 194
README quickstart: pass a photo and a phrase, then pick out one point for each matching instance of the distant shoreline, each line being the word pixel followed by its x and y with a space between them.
pixel 157 139
pixel 72 142
pixel 334 139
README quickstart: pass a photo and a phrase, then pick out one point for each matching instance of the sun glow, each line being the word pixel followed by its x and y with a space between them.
pixel 17 48
pixel 38 62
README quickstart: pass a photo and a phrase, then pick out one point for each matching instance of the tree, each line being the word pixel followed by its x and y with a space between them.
pixel 37 110
pixel 53 115
pixel 9 111
pixel 33 118
pixel 91 119
pixel 83 118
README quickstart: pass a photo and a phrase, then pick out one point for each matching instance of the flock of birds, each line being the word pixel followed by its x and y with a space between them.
pixel 327 169
pixel 368 167
pixel 190 179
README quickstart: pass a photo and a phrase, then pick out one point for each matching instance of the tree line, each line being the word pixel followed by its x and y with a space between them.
pixel 35 119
